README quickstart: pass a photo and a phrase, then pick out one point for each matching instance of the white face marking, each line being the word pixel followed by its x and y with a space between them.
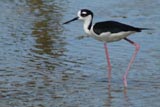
pixel 84 12
pixel 79 14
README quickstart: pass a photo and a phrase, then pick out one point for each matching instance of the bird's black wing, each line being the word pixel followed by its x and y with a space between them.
pixel 113 27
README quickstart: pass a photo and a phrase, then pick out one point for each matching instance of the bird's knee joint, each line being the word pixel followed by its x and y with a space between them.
pixel 137 46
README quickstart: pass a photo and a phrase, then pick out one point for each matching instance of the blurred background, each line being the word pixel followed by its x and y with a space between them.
pixel 46 64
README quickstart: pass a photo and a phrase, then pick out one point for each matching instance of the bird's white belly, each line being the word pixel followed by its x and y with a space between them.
pixel 111 37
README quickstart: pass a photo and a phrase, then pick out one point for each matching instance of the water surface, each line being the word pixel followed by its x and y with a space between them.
pixel 46 64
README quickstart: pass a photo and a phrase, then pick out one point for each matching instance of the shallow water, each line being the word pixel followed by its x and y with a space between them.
pixel 46 64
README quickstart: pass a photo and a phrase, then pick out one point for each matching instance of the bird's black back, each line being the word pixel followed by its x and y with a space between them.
pixel 113 27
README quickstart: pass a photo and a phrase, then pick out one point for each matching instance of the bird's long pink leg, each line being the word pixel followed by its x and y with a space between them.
pixel 108 61
pixel 137 47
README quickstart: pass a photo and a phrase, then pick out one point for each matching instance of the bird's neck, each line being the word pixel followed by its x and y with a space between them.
pixel 88 24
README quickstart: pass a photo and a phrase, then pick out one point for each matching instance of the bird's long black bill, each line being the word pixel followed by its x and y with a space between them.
pixel 76 18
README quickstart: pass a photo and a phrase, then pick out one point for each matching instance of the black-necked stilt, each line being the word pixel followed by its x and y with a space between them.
pixel 108 31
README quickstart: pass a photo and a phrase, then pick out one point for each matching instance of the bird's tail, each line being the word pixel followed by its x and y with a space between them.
pixel 140 29
pixel 146 28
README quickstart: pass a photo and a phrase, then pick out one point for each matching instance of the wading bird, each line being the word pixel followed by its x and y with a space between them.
pixel 108 31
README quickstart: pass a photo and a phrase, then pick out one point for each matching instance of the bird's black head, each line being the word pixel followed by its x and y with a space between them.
pixel 82 14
